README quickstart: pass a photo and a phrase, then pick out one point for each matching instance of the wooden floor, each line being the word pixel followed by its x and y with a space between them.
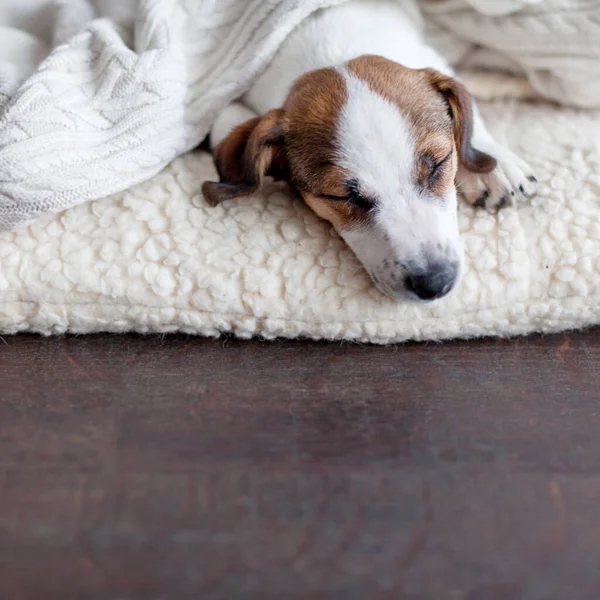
pixel 182 468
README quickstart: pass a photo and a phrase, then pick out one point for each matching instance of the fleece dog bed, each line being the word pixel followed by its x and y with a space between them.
pixel 156 258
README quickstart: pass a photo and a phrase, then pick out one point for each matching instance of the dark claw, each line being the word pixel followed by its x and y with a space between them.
pixel 522 189
pixel 480 202
pixel 532 178
pixel 504 202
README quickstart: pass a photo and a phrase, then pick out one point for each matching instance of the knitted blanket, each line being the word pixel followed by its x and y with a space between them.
pixel 554 43
pixel 120 97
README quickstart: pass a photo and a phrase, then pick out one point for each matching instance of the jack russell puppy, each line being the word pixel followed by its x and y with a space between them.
pixel 365 122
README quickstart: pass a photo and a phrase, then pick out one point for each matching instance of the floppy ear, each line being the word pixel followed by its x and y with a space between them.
pixel 250 152
pixel 460 103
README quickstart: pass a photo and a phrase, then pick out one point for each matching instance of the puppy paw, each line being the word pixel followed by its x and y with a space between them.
pixel 511 180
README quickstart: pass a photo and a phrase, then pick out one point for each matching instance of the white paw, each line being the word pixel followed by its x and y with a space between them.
pixel 512 179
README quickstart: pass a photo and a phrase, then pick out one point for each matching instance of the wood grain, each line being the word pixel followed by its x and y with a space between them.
pixel 165 468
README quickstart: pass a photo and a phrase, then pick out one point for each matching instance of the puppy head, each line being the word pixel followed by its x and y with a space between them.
pixel 373 148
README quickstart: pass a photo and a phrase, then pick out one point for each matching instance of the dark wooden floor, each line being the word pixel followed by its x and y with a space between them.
pixel 151 469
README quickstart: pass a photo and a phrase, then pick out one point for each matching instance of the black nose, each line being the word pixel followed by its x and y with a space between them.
pixel 433 282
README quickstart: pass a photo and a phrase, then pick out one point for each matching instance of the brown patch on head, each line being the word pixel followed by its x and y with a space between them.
pixel 439 109
pixel 312 113
pixel 411 91
pixel 311 110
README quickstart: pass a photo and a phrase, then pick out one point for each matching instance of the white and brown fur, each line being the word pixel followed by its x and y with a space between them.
pixel 366 123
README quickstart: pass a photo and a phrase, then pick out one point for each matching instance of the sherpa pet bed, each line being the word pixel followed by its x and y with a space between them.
pixel 156 258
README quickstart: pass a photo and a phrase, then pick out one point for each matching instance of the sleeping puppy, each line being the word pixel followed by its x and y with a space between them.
pixel 366 123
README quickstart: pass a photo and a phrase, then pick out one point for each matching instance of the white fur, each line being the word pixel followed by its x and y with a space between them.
pixel 409 229
pixel 334 35
pixel 375 142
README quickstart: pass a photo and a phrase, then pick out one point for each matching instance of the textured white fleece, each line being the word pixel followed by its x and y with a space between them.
pixel 157 258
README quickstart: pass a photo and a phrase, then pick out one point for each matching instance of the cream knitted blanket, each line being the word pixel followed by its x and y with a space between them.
pixel 119 98
pixel 554 43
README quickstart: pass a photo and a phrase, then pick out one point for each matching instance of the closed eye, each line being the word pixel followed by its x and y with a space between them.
pixel 436 169
pixel 354 196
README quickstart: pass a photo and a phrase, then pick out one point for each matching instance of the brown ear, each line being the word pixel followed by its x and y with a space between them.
pixel 460 103
pixel 250 152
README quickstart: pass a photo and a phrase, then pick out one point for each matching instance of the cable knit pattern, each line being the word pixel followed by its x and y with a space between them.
pixel 158 259
pixel 98 117
pixel 555 43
